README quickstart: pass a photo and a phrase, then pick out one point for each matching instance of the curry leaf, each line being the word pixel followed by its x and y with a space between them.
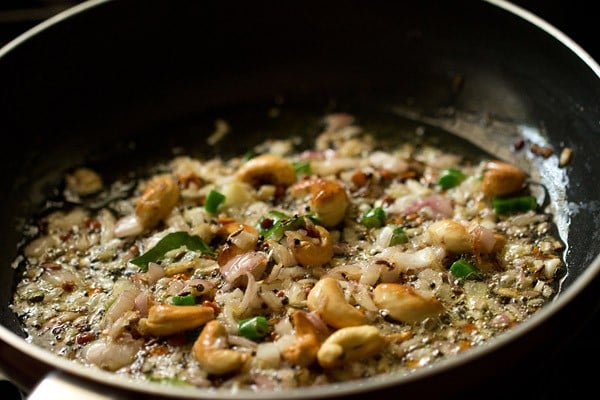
pixel 170 242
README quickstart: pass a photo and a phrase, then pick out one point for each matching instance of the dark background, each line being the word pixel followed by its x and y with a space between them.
pixel 569 369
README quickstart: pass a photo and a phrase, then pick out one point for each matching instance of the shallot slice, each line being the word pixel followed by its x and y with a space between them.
pixel 254 262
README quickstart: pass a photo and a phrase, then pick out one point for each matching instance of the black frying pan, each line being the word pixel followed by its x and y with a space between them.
pixel 118 84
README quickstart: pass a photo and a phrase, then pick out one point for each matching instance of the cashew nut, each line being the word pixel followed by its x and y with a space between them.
pixel 84 181
pixel 312 246
pixel 327 299
pixel 458 238
pixel 501 179
pixel 303 351
pixel 156 202
pixel 404 304
pixel 328 198
pixel 167 319
pixel 211 349
pixel 267 169
pixel 350 344
pixel 451 235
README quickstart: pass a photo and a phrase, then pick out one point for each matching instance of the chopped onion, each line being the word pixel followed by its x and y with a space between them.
pixel 267 355
pixel 254 262
pixel 428 257
pixel 129 225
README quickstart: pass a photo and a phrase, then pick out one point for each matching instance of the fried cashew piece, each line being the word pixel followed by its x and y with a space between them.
pixel 327 299
pixel 157 201
pixel 167 319
pixel 349 344
pixel 303 351
pixel 458 238
pixel 328 199
pixel 267 169
pixel 404 304
pixel 311 247
pixel 212 351
pixel 501 179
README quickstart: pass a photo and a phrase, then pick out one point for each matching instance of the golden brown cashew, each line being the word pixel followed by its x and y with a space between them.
pixel 311 249
pixel 211 349
pixel 404 304
pixel 166 319
pixel 327 299
pixel 303 351
pixel 156 202
pixel 328 198
pixel 501 179
pixel 458 238
pixel 267 169
pixel 350 344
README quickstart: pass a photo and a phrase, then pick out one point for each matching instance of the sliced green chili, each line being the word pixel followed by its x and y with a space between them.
pixel 450 178
pixel 213 200
pixel 185 300
pixel 302 167
pixel 254 328
pixel 462 269
pixel 398 236
pixel 509 205
pixel 170 242
pixel 373 218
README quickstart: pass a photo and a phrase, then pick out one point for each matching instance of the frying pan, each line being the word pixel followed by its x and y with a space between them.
pixel 119 84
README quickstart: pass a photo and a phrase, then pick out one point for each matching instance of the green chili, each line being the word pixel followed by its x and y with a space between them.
pixel 302 167
pixel 398 236
pixel 509 205
pixel 254 328
pixel 213 201
pixel 185 300
pixel 274 225
pixel 462 269
pixel 450 178
pixel 170 242
pixel 373 218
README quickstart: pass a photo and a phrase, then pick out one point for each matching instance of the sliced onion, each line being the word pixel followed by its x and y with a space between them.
pixel 267 355
pixel 440 206
pixel 389 162
pixel 112 354
pixel 254 262
pixel 124 302
pixel 428 257
pixel 250 295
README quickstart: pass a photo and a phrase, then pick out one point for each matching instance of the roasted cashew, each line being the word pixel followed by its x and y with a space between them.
pixel 451 235
pixel 350 344
pixel 303 351
pixel 84 181
pixel 327 299
pixel 167 319
pixel 458 238
pixel 501 179
pixel 267 169
pixel 311 247
pixel 156 202
pixel 211 349
pixel 328 199
pixel 404 304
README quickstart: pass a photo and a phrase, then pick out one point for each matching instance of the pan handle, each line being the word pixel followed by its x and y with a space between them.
pixel 60 386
